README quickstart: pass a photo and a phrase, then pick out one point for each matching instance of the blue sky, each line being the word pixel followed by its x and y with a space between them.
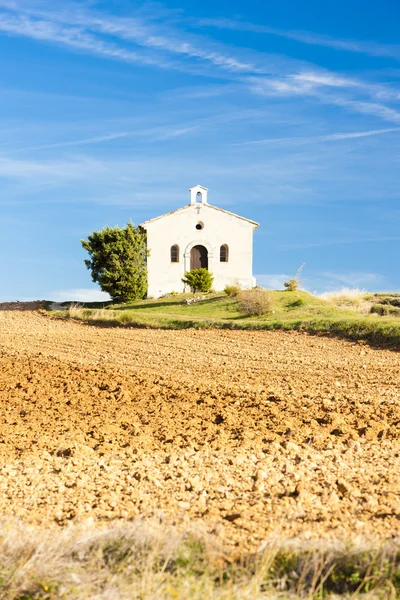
pixel 288 112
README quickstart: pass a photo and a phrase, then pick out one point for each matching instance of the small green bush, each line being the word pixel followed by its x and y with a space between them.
pixel 297 303
pixel 254 303
pixel 385 310
pixel 392 301
pixel 294 283
pixel 232 290
pixel 200 280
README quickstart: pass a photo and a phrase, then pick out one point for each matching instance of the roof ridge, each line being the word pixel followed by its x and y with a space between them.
pixel 228 212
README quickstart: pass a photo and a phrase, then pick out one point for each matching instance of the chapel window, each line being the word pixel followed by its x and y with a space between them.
pixel 224 253
pixel 174 253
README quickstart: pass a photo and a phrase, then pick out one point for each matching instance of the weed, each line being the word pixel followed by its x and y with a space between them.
pixel 232 290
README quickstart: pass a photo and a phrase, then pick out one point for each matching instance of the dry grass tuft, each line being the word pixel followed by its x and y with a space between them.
pixel 355 298
pixel 149 560
pixel 255 303
pixel 75 311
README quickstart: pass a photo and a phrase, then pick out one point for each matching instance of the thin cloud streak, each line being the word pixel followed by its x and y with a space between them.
pixel 333 137
pixel 292 85
pixel 93 140
pixel 146 35
pixel 155 134
pixel 74 38
pixel 369 48
pixel 124 29
pixel 80 295
pixel 348 241
pixel 85 30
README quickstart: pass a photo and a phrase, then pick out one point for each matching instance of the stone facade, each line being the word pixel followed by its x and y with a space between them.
pixel 199 234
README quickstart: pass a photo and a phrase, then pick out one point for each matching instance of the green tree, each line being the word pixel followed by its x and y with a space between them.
pixel 200 280
pixel 118 261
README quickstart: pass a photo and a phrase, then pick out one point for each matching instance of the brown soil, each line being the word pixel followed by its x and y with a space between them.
pixel 250 434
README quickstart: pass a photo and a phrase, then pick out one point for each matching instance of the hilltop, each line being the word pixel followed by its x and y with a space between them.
pixel 365 317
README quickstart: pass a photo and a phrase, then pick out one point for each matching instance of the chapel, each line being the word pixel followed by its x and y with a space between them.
pixel 199 235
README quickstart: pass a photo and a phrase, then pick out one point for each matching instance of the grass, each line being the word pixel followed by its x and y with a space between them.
pixel 291 311
pixel 146 560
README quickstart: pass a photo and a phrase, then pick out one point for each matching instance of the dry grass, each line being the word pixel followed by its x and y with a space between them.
pixel 335 313
pixel 150 560
pixel 355 298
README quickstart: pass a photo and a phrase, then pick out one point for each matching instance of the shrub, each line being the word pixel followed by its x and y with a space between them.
pixel 232 290
pixel 385 310
pixel 200 280
pixel 294 283
pixel 392 300
pixel 254 302
pixel 297 303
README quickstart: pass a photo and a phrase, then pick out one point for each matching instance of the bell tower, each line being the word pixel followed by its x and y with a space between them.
pixel 198 195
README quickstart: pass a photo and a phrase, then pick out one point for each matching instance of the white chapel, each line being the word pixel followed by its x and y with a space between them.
pixel 199 235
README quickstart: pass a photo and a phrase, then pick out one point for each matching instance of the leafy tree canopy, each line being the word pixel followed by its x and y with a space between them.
pixel 200 280
pixel 118 261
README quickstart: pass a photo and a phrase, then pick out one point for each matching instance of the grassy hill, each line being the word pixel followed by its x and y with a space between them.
pixel 290 311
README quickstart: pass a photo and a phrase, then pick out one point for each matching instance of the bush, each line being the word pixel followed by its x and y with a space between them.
pixel 254 303
pixel 392 300
pixel 385 310
pixel 297 303
pixel 294 283
pixel 232 290
pixel 200 280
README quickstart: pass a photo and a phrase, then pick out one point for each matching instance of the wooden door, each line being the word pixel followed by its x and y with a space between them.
pixel 198 258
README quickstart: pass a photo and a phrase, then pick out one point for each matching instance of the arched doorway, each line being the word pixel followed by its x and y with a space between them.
pixel 198 258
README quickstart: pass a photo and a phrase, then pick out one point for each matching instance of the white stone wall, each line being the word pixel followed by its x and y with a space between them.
pixel 180 228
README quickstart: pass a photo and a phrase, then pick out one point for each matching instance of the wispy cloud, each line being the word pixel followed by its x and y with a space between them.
pixel 147 41
pixel 74 27
pixel 353 278
pixel 332 137
pixel 89 30
pixel 272 281
pixel 152 134
pixel 369 108
pixel 79 168
pixel 339 242
pixel 329 89
pixel 74 38
pixel 80 295
pixel 370 48
pixel 155 134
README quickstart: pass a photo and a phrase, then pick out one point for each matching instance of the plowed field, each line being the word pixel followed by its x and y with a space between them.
pixel 248 434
